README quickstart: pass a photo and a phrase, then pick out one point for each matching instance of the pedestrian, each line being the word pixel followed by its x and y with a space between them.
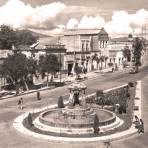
pixel 107 144
pixel 136 118
pixel 20 103
pixel 141 126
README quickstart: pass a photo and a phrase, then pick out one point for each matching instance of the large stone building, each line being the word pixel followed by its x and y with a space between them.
pixel 82 45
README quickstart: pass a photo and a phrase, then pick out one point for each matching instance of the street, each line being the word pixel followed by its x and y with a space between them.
pixel 10 138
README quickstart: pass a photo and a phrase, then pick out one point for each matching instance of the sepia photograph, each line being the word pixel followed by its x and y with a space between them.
pixel 73 73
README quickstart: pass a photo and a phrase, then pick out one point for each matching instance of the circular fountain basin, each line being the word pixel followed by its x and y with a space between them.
pixel 76 118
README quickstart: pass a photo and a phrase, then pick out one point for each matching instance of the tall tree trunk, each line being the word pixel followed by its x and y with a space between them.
pixel 136 68
pixel 26 86
pixel 51 80
pixel 92 66
pixel 97 65
pixel 101 65
pixel 47 79
pixel 105 63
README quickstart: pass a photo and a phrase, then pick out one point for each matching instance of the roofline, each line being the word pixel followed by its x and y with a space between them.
pixel 75 33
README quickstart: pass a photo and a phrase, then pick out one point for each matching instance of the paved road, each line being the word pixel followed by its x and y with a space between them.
pixel 10 138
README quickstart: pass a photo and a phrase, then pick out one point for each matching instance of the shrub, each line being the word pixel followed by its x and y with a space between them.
pixel 131 84
pixel 100 97
pixel 30 119
pixel 99 93
pixel 96 125
pixel 60 102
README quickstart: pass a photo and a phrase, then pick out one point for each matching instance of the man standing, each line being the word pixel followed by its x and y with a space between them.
pixel 20 103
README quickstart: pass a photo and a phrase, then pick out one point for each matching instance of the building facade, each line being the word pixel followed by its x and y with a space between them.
pixel 116 49
pixel 82 45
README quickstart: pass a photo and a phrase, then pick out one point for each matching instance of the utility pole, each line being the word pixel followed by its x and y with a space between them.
pixel 60 68
pixel 60 64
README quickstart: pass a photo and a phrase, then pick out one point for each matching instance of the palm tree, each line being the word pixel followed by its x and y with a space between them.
pixel 102 58
pixel 106 58
pixel 137 49
pixel 98 61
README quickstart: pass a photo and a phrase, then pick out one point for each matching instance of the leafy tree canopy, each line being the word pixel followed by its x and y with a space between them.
pixel 17 67
pixel 49 64
pixel 127 53
pixel 9 37
pixel 137 48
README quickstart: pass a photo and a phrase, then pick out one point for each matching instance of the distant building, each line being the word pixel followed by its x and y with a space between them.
pixel 116 48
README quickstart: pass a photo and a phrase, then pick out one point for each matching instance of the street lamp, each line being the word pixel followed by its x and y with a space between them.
pixel 60 68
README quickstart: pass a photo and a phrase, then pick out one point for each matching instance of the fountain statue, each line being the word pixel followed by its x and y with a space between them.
pixel 75 118
pixel 75 92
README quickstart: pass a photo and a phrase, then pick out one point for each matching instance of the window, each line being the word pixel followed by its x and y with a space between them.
pixel 100 44
pixel 87 47
pixel 82 46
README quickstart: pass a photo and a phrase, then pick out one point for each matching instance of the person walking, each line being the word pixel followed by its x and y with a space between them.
pixel 141 126
pixel 20 103
pixel 107 144
pixel 136 118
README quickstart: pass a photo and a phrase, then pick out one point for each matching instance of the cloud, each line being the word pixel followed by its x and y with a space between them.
pixel 91 22
pixel 121 22
pixel 72 23
pixel 86 22
pixel 56 16
pixel 18 14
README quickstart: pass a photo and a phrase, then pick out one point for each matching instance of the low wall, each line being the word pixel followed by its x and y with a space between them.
pixel 123 96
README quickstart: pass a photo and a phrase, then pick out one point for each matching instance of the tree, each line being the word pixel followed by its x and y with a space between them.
pixel 10 37
pixel 32 69
pixel 7 37
pixel 137 49
pixel 105 58
pixel 49 64
pixel 16 68
pixel 102 58
pixel 127 53
pixel 25 37
pixel 94 58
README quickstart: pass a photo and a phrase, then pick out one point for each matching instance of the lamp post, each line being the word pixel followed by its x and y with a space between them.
pixel 60 68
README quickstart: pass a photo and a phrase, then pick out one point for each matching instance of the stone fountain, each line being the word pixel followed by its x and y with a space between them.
pixel 76 118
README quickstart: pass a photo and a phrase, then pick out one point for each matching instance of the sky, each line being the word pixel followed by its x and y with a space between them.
pixel 52 17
